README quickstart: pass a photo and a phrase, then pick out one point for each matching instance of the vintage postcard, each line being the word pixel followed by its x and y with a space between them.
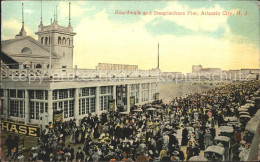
pixel 130 80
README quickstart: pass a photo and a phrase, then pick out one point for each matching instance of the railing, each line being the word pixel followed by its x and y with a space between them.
pixel 76 73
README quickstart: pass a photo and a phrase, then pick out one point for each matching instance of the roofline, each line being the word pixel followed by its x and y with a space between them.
pixel 33 41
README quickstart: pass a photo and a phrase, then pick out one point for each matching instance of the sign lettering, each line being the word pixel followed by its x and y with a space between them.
pixel 28 130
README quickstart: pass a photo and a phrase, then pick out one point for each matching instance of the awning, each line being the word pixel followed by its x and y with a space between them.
pixel 227 129
pixel 222 138
pixel 151 109
pixel 232 118
pixel 124 113
pixel 198 158
pixel 138 110
pixel 217 149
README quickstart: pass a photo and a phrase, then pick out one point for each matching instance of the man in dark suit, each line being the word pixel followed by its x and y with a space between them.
pixel 71 151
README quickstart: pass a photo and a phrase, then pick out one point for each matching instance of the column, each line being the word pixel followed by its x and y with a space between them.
pixel 5 105
pixel 20 66
pixel 158 88
pixel 26 107
pixel 114 96
pixel 50 109
pixel 140 93
pixel 150 92
pixel 97 100
pixel 128 97
pixel 76 106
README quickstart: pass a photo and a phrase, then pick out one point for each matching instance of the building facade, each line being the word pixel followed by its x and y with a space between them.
pixel 106 66
pixel 38 79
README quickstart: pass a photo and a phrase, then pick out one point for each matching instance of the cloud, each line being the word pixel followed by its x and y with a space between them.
pixel 28 11
pixel 14 27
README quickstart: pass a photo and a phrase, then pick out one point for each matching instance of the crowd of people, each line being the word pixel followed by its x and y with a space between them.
pixel 154 131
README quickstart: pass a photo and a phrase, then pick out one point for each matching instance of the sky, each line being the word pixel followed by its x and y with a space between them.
pixel 227 42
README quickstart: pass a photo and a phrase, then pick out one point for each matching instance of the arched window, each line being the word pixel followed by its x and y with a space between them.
pixel 59 40
pixel 64 40
pixel 38 66
pixel 42 40
pixel 26 50
pixel 68 40
pixel 46 40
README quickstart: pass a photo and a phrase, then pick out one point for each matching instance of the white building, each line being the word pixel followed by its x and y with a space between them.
pixel 31 91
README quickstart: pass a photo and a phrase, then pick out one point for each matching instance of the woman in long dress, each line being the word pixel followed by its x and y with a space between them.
pixel 184 137
pixel 72 137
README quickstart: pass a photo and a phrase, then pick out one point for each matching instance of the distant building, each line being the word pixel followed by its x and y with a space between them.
pixel 196 68
pixel 200 69
pixel 107 66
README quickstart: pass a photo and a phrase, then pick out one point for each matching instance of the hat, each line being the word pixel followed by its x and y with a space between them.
pixel 221 145
pixel 175 153
pixel 190 143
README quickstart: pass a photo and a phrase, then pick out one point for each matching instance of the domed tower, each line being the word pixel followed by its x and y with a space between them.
pixel 59 39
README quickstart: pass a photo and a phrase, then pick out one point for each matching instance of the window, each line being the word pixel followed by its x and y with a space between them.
pixel 63 94
pixel 59 40
pixel 68 40
pixel 16 108
pixel 2 106
pixel 66 109
pixel 38 66
pixel 26 50
pixel 46 107
pixel 42 107
pixel 55 94
pixel 42 40
pixel 71 93
pixel 55 106
pixel 37 111
pixel 104 100
pixel 87 105
pixel 87 96
pixel 93 104
pixel 145 94
pixel 64 40
pixel 39 94
pixel 1 93
pixel 80 106
pixel 20 94
pixel 83 106
pixel 85 92
pixel 71 108
pixel 46 95
pixel 105 96
pixel 31 94
pixel 46 40
pixel 103 90
pixel 13 93
pixel 32 110
pixel 92 91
